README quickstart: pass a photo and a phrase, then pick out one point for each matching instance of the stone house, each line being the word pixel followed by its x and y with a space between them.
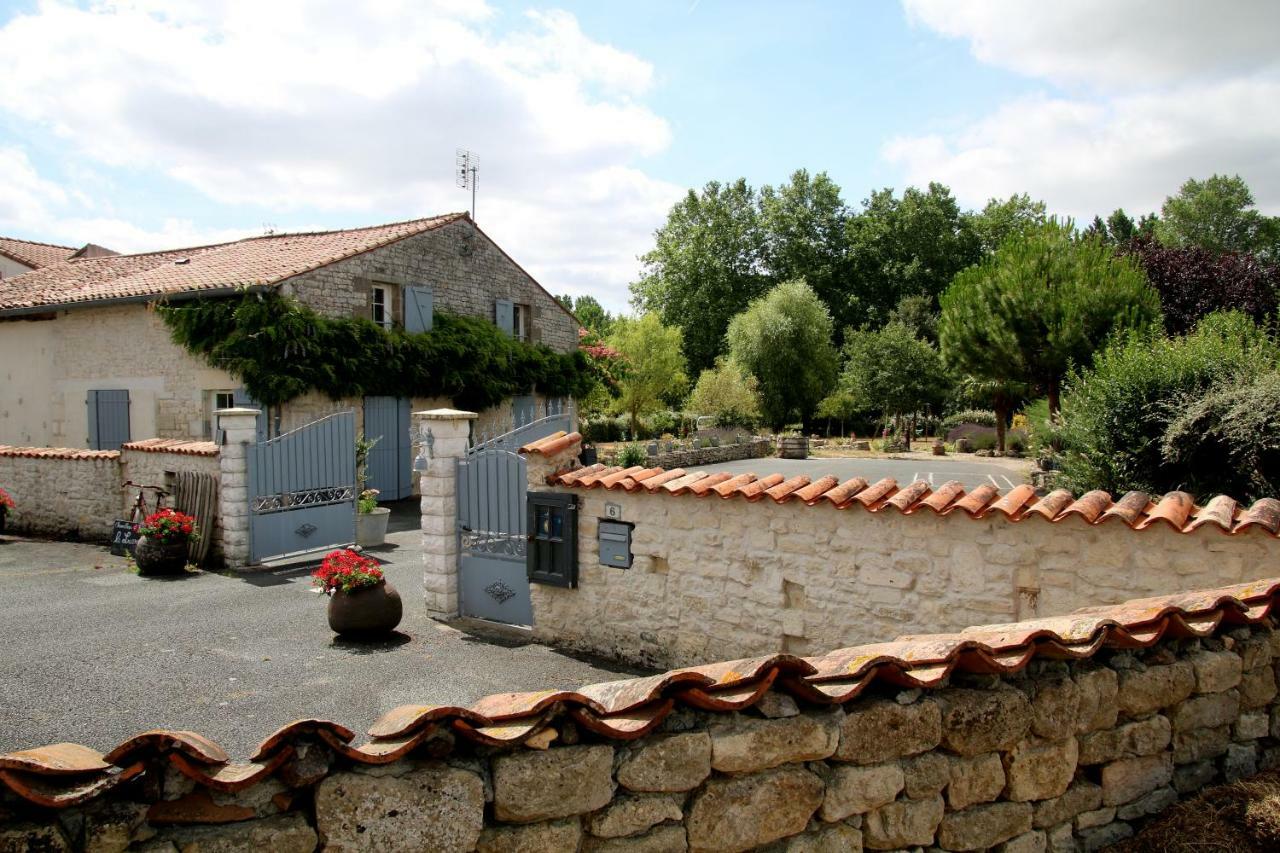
pixel 86 363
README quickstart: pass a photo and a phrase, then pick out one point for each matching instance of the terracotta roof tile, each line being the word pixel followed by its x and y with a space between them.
pixel 34 254
pixel 1135 509
pixel 66 774
pixel 552 444
pixel 57 453
pixel 180 446
pixel 254 261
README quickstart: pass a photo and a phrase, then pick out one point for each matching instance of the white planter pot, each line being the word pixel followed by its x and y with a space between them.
pixel 371 527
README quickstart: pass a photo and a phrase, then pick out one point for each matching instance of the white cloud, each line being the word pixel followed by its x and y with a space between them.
pixel 1146 95
pixel 353 110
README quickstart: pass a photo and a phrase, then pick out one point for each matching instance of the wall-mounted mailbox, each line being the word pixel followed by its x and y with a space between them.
pixel 615 544
pixel 552 556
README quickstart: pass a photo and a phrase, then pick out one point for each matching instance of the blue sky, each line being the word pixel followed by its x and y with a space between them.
pixel 157 123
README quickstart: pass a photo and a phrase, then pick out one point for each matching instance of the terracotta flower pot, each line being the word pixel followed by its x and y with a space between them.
pixel 160 556
pixel 367 612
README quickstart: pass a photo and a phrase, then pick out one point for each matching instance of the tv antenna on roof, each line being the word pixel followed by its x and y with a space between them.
pixel 467 165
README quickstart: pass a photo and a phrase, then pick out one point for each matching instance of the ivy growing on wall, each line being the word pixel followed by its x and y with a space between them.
pixel 281 349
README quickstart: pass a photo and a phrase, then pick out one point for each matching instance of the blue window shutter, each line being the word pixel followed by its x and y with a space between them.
pixel 108 419
pixel 417 308
pixel 504 314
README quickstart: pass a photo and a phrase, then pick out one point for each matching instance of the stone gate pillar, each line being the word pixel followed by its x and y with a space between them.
pixel 239 429
pixel 442 437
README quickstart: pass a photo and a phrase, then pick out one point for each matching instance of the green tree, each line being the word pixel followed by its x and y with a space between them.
pixel 999 220
pixel 919 314
pixel 784 340
pixel 706 266
pixel 905 246
pixel 840 406
pixel 1218 214
pixel 1121 228
pixel 803 226
pixel 1045 301
pixel 655 367
pixel 728 393
pixel 892 370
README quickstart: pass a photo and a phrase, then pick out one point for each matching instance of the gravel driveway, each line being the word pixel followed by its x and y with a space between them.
pixel 93 653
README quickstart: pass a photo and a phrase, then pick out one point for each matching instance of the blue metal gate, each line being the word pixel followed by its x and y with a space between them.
pixel 302 489
pixel 390 465
pixel 492 524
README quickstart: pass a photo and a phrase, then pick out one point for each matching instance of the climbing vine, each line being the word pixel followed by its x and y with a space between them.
pixel 281 349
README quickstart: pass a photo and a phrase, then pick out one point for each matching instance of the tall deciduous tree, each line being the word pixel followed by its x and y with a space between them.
pixel 728 393
pixel 1045 301
pixel 892 370
pixel 706 265
pixel 784 340
pixel 1218 214
pixel 803 224
pixel 999 220
pixel 1194 282
pixel 655 367
pixel 905 246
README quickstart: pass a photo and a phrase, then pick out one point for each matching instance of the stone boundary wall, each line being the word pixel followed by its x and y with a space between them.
pixel 715 578
pixel 74 495
pixel 78 494
pixel 753 449
pixel 1059 756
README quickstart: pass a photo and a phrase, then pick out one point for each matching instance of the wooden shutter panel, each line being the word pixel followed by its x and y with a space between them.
pixel 108 419
pixel 504 312
pixel 417 308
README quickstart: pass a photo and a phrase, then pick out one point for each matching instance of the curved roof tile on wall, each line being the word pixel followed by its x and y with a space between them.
pixel 56 453
pixel 65 774
pixel 1137 510
pixel 181 446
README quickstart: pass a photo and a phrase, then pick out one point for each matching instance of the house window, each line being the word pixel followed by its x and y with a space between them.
pixel 382 305
pixel 521 322
pixel 217 400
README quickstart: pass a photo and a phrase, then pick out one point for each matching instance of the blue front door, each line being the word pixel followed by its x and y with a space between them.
pixel 390 466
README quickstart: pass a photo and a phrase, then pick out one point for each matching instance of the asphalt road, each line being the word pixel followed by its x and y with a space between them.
pixel 93 653
pixel 936 470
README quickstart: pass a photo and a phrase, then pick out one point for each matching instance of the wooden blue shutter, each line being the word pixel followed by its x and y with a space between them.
pixel 504 314
pixel 417 308
pixel 108 419
pixel 242 400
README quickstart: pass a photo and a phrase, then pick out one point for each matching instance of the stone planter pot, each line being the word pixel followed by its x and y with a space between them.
pixel 371 527
pixel 793 447
pixel 365 613
pixel 160 557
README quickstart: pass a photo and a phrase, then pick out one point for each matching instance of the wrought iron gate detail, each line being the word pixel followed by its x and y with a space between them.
pixel 302 489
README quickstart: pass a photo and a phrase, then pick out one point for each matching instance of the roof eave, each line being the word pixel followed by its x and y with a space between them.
pixel 181 296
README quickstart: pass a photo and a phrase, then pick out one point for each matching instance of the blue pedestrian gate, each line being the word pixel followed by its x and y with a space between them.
pixel 390 465
pixel 302 489
pixel 493 526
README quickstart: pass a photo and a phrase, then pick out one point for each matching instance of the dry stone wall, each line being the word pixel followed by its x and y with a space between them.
pixel 1061 756
pixel 715 578
pixel 62 497
pixel 752 448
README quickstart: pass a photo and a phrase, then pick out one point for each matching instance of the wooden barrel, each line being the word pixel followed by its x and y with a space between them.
pixel 793 447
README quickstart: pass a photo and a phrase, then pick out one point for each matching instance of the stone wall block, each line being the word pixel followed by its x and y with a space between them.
pixel 1213 709
pixel 1125 780
pixel 1144 737
pixel 1199 744
pixel 980 827
pixel 1097 709
pixel 859 789
pixel 359 812
pixel 1257 687
pixel 550 837
pixel 1146 690
pixel 1081 797
pixel 839 838
pixel 1040 770
pixel 903 823
pixel 878 730
pixel 978 779
pixel 1035 841
pixel 679 762
pixel 1216 671
pixel 629 815
pixel 742 812
pixel 978 721
pixel 745 745
pixel 925 775
pixel 1055 708
pixel 541 785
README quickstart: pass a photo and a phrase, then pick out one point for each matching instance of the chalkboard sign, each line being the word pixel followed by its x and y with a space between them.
pixel 124 538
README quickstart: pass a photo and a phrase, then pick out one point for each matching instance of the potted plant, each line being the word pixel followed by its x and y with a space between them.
pixel 371 520
pixel 361 602
pixel 162 542
pixel 6 504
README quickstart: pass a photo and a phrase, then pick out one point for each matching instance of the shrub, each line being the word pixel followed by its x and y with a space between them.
pixel 632 455
pixel 981 417
pixel 1228 440
pixel 1129 422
